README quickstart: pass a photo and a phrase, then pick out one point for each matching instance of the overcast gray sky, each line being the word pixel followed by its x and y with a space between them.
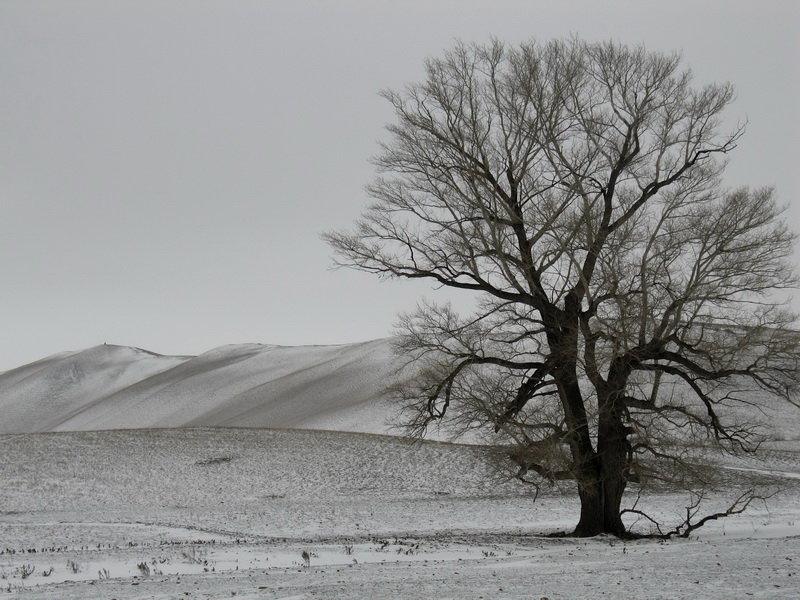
pixel 166 167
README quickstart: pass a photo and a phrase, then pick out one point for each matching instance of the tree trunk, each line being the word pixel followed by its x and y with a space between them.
pixel 592 518
pixel 603 479
pixel 604 483
pixel 614 481
pixel 600 506
pixel 601 474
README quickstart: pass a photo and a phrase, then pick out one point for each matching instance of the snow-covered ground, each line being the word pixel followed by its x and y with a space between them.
pixel 213 513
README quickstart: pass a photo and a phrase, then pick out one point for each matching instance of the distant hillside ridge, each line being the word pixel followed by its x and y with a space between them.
pixel 336 388
pixel 342 387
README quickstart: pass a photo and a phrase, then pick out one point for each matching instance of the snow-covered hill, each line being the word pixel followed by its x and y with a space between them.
pixel 249 385
pixel 341 387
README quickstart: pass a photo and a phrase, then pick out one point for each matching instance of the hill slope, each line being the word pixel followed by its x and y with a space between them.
pixel 341 387
pixel 249 385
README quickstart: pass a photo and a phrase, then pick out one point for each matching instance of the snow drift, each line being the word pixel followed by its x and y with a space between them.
pixel 248 385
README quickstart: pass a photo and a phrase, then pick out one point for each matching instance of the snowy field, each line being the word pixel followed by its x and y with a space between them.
pixel 220 513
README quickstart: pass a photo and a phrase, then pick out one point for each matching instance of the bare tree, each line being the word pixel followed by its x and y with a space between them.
pixel 624 298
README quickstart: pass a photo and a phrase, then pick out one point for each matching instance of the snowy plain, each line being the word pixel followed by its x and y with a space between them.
pixel 212 513
pixel 134 511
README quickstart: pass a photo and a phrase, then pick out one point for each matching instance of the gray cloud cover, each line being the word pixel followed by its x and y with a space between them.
pixel 166 167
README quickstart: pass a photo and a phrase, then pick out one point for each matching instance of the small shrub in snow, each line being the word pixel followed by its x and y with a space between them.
pixel 26 571
pixel 73 566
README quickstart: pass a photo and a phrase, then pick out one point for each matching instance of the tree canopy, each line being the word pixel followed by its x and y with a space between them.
pixel 625 298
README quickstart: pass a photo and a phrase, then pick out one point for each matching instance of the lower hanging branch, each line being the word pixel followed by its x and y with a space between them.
pixel 692 522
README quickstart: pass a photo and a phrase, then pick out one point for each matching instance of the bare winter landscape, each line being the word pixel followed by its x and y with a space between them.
pixel 206 508
pixel 567 232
